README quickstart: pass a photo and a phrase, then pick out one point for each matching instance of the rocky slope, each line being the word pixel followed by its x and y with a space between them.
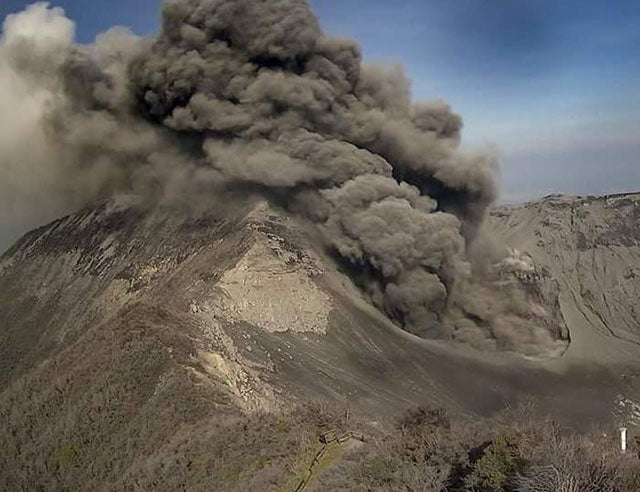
pixel 123 329
pixel 591 247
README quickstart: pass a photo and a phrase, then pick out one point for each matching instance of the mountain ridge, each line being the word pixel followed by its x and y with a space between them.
pixel 121 325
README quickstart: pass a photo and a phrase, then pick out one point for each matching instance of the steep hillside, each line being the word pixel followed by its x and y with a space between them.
pixel 591 247
pixel 124 331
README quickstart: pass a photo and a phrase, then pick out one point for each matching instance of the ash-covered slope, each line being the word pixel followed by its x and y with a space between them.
pixel 123 328
pixel 244 301
pixel 590 246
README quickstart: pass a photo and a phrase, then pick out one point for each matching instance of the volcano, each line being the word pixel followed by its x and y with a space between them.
pixel 121 317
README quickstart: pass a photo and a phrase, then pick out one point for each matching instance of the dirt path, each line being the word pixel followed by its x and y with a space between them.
pixel 332 447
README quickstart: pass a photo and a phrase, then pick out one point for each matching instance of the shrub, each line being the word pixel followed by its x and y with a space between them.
pixel 498 466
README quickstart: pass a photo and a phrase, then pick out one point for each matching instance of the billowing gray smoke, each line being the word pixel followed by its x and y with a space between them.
pixel 252 93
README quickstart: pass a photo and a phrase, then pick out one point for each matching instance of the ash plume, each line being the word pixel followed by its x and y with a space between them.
pixel 253 93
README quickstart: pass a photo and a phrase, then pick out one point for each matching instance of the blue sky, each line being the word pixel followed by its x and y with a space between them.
pixel 553 84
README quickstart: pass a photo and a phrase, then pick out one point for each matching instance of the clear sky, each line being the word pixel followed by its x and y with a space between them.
pixel 554 84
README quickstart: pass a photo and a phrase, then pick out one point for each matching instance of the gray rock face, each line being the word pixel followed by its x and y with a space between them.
pixel 590 246
pixel 120 326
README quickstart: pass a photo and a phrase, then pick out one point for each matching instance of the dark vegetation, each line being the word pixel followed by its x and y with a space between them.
pixel 515 451
pixel 422 451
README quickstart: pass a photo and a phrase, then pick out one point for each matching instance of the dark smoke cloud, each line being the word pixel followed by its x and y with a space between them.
pixel 253 92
